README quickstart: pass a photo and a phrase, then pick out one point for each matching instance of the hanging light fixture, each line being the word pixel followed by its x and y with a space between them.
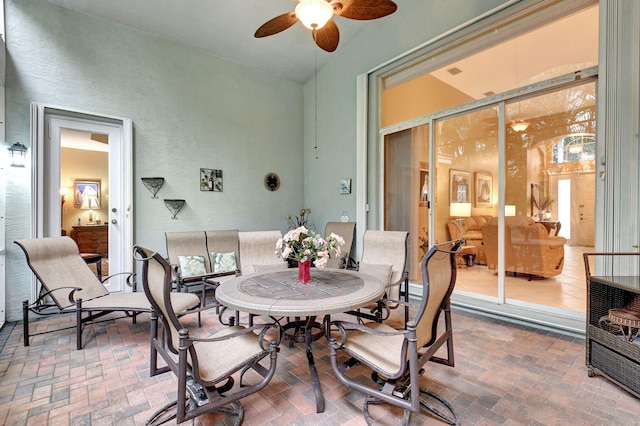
pixel 519 126
pixel 18 154
pixel 314 14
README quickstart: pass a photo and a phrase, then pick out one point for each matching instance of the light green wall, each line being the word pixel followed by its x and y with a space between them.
pixel 189 110
pixel 414 23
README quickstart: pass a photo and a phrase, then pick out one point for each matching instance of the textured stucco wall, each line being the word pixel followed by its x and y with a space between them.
pixel 189 110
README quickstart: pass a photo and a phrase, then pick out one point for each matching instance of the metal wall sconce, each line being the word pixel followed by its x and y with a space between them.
pixel 18 154
pixel 174 207
pixel 153 184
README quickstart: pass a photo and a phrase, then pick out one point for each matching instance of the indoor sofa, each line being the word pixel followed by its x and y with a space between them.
pixel 529 249
pixel 471 234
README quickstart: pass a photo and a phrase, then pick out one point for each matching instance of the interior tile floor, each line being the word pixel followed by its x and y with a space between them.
pixel 505 374
pixel 567 290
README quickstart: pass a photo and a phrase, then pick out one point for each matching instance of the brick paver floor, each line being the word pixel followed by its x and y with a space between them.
pixel 505 374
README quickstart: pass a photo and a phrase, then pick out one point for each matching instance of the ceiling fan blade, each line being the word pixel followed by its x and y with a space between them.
pixel 363 10
pixel 327 37
pixel 277 24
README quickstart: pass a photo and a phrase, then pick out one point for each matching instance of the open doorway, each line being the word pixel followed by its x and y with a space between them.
pixel 87 158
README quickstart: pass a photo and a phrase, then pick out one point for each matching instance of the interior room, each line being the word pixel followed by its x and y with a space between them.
pixel 496 139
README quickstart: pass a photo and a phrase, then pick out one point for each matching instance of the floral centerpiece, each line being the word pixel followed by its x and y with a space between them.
pixel 308 246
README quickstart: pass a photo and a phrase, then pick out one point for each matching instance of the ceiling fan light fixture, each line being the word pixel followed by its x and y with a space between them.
pixel 314 14
pixel 519 126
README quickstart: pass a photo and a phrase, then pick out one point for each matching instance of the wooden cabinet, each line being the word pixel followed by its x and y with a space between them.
pixel 92 239
pixel 608 352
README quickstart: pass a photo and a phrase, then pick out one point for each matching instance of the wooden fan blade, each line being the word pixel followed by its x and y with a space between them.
pixel 277 24
pixel 363 10
pixel 327 37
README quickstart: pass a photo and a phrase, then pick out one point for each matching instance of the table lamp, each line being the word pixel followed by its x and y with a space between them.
pixel 90 202
pixel 509 210
pixel 460 211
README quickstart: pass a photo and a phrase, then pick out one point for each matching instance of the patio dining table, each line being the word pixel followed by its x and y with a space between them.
pixel 279 294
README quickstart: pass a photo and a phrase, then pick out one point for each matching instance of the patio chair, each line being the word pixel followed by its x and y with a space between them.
pixel 346 230
pixel 203 366
pixel 223 247
pixel 384 255
pixel 397 357
pixel 258 252
pixel 69 286
pixel 189 257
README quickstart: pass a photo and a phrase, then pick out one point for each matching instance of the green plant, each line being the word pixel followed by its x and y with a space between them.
pixel 544 203
pixel 424 241
pixel 302 219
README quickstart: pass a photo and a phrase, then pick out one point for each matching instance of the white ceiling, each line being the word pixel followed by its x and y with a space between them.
pixel 224 28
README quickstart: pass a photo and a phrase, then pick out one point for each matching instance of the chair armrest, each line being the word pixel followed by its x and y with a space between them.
pixel 237 331
pixel 343 327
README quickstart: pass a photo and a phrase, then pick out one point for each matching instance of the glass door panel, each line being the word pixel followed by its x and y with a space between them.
pixel 406 191
pixel 549 178
pixel 466 199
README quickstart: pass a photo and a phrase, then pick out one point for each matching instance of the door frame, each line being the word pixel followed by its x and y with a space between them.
pixel 46 164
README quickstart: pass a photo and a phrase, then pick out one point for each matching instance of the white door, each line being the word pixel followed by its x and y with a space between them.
pixel 577 214
pixel 49 125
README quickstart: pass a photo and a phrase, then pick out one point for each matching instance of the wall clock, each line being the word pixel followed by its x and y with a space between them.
pixel 272 181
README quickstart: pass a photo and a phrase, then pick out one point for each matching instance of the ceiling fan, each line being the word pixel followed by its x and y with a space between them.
pixel 317 16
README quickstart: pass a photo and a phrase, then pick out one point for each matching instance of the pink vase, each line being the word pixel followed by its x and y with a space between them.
pixel 304 272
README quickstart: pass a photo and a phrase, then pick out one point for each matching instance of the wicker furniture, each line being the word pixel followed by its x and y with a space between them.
pixel 613 298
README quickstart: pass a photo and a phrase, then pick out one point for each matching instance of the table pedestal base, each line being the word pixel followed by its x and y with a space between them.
pixel 301 331
pixel 295 331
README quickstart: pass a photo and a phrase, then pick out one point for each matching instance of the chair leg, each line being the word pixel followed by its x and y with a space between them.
pixel 25 322
pixel 452 420
pixel 367 417
pixel 79 326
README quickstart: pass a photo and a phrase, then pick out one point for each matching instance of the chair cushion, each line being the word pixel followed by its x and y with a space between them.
pixel 191 266
pixel 224 262
pixel 385 352
pixel 381 272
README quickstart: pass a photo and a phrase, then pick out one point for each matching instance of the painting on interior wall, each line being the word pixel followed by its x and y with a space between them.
pixel 484 188
pixel 459 186
pixel 424 188
pixel 86 194
pixel 211 180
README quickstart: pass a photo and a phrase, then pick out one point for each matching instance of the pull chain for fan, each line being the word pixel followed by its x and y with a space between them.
pixel 315 97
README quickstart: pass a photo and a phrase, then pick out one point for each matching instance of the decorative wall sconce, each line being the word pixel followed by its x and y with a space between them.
pixel 153 184
pixel 174 207
pixel 18 154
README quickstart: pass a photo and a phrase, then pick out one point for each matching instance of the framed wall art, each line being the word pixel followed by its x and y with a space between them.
pixel 211 180
pixel 86 194
pixel 424 188
pixel 484 189
pixel 345 186
pixel 459 186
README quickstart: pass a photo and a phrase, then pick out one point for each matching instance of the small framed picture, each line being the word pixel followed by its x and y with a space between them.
pixel 211 180
pixel 86 194
pixel 483 189
pixel 424 188
pixel 459 186
pixel 345 186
